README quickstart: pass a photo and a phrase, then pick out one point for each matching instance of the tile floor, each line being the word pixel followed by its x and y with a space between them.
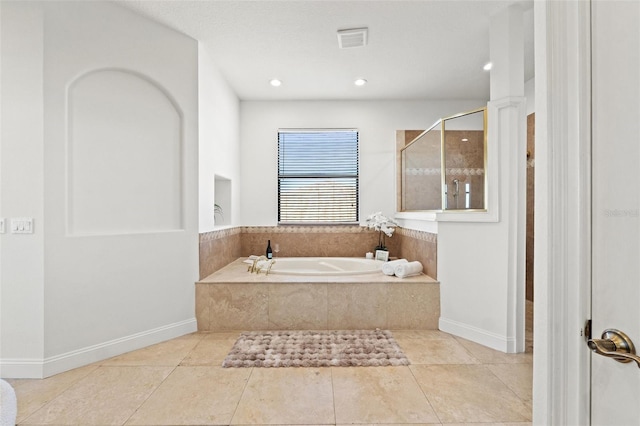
pixel 180 382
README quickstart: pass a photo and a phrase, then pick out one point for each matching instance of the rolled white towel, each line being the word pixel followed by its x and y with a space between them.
pixel 389 268
pixel 409 269
pixel 8 404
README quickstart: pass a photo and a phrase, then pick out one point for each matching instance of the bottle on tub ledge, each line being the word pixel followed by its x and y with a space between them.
pixel 269 251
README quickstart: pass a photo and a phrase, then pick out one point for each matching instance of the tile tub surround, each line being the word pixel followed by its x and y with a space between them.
pixel 314 241
pixel 234 299
pixel 219 248
pixel 421 246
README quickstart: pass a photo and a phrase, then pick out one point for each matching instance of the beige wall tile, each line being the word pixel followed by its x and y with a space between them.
pixel 316 302
pixel 349 241
pixel 413 306
pixel 203 306
pixel 219 248
pixel 357 305
pixel 297 306
pixel 238 306
pixel 420 246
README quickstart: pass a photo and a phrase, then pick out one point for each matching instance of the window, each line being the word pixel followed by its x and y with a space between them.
pixel 317 176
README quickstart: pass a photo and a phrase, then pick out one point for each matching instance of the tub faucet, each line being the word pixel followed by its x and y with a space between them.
pixel 257 268
pixel 253 267
pixel 271 262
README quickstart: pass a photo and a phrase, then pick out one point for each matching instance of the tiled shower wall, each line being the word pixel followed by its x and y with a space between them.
pixel 422 177
pixel 219 248
pixel 421 187
pixel 464 161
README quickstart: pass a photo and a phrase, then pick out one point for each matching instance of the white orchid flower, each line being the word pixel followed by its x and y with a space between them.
pixel 380 222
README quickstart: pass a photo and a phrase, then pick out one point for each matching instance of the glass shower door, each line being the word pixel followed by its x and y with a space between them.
pixel 464 161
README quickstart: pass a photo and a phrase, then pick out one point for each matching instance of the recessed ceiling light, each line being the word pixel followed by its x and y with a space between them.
pixel 360 82
pixel 275 82
pixel 465 140
pixel 487 66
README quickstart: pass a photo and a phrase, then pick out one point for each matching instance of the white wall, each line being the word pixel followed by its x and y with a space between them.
pixel 21 161
pixel 108 289
pixel 376 121
pixel 481 265
pixel 219 146
pixel 530 94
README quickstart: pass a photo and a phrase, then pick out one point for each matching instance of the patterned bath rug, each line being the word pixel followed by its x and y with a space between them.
pixel 341 348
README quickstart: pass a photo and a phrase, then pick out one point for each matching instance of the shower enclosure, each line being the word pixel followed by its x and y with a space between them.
pixel 444 168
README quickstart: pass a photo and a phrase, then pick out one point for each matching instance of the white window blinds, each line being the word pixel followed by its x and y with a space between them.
pixel 317 176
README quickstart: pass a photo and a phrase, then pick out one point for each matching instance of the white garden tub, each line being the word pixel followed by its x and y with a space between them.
pixel 325 266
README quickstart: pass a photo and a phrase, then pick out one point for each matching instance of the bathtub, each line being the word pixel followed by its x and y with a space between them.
pixel 342 298
pixel 325 266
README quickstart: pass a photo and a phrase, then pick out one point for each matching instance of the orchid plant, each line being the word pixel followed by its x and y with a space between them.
pixel 384 225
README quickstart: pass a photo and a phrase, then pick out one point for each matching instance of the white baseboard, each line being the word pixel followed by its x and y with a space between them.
pixel 478 335
pixel 23 368
pixel 42 368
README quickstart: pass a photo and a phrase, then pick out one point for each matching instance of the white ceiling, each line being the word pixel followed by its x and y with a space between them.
pixel 429 49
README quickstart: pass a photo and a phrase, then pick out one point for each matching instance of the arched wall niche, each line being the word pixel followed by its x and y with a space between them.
pixel 124 155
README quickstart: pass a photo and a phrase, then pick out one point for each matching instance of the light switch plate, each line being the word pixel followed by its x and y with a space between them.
pixel 22 225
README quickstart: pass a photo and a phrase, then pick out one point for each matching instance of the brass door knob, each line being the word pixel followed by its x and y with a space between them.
pixel 615 344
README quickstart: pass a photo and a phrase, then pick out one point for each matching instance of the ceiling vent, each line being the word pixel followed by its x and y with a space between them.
pixel 356 37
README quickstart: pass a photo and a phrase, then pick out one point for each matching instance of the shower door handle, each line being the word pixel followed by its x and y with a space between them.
pixel 615 344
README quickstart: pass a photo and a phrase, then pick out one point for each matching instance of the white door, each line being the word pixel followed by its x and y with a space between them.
pixel 615 387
